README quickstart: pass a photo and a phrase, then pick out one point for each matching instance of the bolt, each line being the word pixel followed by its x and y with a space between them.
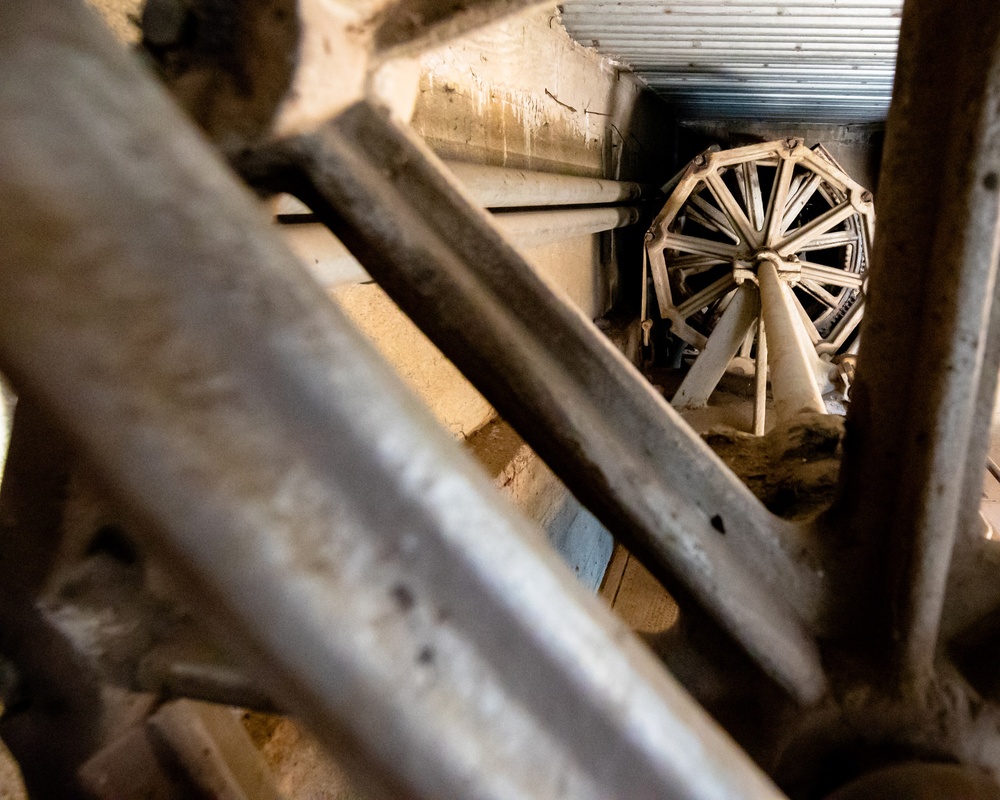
pixel 649 236
pixel 866 197
pixel 791 144
pixel 699 161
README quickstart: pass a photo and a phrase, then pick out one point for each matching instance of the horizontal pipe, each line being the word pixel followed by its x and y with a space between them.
pixel 534 228
pixel 333 265
pixel 501 187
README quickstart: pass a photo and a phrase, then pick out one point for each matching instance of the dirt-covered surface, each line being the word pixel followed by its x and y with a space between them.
pixel 301 768
pixel 793 468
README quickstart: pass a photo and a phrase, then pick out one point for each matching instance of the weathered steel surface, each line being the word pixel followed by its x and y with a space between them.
pixel 918 397
pixel 566 390
pixel 355 557
pixel 344 541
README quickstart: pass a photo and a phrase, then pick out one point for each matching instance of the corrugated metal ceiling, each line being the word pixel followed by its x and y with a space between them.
pixel 808 60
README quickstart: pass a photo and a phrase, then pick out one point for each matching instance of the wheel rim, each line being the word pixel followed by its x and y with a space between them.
pixel 781 197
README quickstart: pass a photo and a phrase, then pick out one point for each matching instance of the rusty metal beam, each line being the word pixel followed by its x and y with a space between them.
pixel 594 419
pixel 344 543
pixel 919 395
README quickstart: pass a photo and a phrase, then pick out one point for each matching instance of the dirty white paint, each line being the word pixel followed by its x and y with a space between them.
pixel 520 94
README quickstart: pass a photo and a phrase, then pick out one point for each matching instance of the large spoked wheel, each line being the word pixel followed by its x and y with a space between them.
pixel 778 204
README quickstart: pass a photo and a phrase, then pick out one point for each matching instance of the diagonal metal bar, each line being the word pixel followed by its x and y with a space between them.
pixel 799 198
pixel 706 296
pixel 807 324
pixel 699 247
pixel 748 179
pixel 730 332
pixel 831 276
pixel 709 216
pixel 800 238
pixel 819 293
pixel 912 425
pixel 835 239
pixel 778 201
pixel 729 204
pixel 796 183
pixel 693 265
pixel 346 546
pixel 790 353
pixel 559 382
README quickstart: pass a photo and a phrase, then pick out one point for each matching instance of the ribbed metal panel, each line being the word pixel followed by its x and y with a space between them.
pixel 808 60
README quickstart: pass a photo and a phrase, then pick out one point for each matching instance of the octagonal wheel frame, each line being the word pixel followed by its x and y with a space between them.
pixel 802 179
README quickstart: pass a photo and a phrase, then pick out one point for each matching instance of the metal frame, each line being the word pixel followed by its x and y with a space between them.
pixel 727 255
pixel 349 552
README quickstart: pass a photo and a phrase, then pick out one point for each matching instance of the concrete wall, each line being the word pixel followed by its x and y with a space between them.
pixel 519 94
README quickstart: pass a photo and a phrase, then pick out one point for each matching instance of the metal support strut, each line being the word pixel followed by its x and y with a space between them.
pixel 241 418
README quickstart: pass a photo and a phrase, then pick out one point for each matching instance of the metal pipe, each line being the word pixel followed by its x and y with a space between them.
pixel 503 187
pixel 535 228
pixel 730 332
pixel 549 372
pixel 760 381
pixel 790 353
pixel 333 265
pixel 350 550
pixel 497 187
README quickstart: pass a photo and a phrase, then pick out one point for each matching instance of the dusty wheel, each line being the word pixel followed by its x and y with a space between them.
pixel 777 203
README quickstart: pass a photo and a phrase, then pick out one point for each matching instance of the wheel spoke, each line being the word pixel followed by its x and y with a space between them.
pixel 834 239
pixel 693 265
pixel 725 198
pixel 831 276
pixel 732 328
pixel 800 196
pixel 748 179
pixel 807 324
pixel 779 199
pixel 815 290
pixel 704 213
pixel 700 247
pixel 800 237
pixel 796 184
pixel 706 296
